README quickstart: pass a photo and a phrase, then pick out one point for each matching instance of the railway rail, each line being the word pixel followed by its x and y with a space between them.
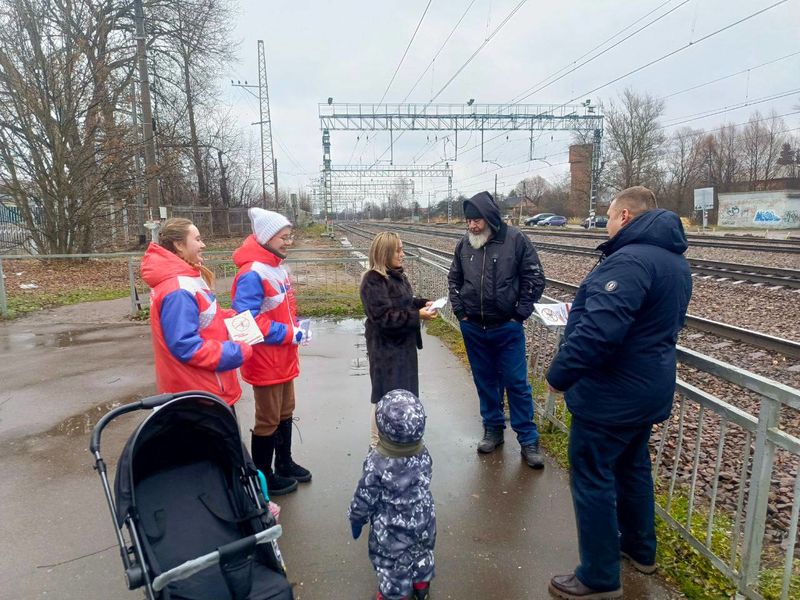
pixel 772 276
pixel 756 339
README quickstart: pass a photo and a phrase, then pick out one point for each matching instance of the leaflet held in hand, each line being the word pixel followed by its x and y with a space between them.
pixel 439 303
pixel 243 328
pixel 555 314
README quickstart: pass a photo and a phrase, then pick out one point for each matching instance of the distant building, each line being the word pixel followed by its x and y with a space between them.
pixel 775 209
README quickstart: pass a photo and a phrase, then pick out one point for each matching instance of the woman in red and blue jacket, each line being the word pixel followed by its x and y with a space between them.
pixel 190 341
pixel 263 287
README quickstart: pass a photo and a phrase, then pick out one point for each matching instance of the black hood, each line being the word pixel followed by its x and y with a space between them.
pixel 486 205
pixel 657 227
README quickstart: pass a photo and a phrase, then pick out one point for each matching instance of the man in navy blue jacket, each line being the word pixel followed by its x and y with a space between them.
pixel 617 369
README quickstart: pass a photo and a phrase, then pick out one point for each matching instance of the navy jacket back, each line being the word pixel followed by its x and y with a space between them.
pixel 617 362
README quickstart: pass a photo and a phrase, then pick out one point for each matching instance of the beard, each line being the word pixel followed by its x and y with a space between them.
pixel 478 240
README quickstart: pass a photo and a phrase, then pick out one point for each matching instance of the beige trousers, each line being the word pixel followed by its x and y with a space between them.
pixel 274 403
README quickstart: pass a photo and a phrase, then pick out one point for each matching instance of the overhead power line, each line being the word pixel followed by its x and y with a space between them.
pixel 723 78
pixel 677 50
pixel 435 56
pixel 411 41
pixel 538 87
pixel 481 47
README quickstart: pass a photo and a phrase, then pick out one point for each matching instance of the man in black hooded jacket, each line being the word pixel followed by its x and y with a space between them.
pixel 494 280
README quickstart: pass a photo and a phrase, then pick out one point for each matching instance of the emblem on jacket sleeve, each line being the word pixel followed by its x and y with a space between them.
pixel 611 286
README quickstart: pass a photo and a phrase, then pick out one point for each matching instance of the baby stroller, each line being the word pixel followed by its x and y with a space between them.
pixel 191 500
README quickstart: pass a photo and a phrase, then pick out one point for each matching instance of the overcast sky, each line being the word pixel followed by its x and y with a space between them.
pixel 350 49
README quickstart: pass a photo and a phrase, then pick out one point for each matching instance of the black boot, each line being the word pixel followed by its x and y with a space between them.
pixel 284 465
pixel 262 447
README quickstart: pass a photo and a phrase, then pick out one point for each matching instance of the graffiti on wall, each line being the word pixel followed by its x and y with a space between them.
pixel 766 216
pixel 766 209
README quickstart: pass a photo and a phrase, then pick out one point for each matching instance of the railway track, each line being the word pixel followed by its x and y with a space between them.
pixel 772 276
pixel 756 339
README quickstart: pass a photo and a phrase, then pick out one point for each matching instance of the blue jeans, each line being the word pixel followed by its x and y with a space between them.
pixel 497 359
pixel 612 491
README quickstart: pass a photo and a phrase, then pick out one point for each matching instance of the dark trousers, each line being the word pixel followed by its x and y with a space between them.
pixel 612 491
pixel 497 359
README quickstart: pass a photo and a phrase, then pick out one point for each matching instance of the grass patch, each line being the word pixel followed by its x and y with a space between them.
pixel 22 305
pixel 330 305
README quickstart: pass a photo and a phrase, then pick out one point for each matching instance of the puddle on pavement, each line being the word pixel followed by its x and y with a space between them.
pixel 83 424
pixel 15 342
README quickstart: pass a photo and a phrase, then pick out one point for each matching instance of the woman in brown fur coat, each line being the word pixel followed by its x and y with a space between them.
pixel 393 321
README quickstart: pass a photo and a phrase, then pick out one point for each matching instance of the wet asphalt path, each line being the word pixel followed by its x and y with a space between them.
pixel 503 529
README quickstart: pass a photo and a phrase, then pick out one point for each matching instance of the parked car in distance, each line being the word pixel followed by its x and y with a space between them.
pixel 600 221
pixel 539 217
pixel 554 221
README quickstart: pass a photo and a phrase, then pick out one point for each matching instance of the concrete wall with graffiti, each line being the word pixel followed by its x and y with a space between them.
pixel 765 210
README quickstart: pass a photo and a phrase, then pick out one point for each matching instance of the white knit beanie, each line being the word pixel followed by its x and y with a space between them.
pixel 266 223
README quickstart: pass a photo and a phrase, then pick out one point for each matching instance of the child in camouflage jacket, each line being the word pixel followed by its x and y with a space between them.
pixel 394 495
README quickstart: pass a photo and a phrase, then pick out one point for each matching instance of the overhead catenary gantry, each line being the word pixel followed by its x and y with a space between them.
pixel 388 175
pixel 581 118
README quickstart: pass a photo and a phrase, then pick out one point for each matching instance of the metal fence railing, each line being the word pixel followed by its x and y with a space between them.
pixel 727 481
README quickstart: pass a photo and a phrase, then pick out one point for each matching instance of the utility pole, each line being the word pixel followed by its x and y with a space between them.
pixel 275 180
pixel 153 194
pixel 142 232
pixel 269 166
pixel 267 156
pixel 495 187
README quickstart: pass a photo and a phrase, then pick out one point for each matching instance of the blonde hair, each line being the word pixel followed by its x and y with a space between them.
pixel 384 245
pixel 637 199
pixel 175 231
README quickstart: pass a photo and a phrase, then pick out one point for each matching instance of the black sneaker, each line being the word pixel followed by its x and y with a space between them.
pixel 530 452
pixel 492 438
pixel 278 486
pixel 293 471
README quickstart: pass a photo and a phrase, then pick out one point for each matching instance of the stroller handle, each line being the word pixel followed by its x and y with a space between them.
pixel 143 404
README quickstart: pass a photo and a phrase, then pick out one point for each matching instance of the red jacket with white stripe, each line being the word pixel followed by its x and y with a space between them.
pixel 262 286
pixel 190 341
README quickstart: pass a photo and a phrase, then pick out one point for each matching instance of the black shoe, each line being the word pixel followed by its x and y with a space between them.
pixel 284 465
pixel 530 452
pixel 492 438
pixel 570 587
pixel 278 486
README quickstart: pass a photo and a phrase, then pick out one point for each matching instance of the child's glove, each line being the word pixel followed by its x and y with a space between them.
pixel 297 336
pixel 356 527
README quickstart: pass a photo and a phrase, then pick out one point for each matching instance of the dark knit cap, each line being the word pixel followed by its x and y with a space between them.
pixel 471 211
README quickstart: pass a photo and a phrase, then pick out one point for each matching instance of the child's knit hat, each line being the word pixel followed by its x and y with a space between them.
pixel 266 223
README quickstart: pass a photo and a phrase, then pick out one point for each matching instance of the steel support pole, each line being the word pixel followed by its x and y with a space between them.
pixel 449 198
pixel 758 497
pixel 327 196
pixel 3 301
pixel 595 174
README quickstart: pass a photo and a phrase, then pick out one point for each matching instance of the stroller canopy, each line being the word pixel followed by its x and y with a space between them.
pixel 194 419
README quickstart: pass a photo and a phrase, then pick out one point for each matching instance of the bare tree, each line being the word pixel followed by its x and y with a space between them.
pixel 64 155
pixel 722 151
pixel 761 148
pixel 634 140
pixel 685 169
pixel 192 43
